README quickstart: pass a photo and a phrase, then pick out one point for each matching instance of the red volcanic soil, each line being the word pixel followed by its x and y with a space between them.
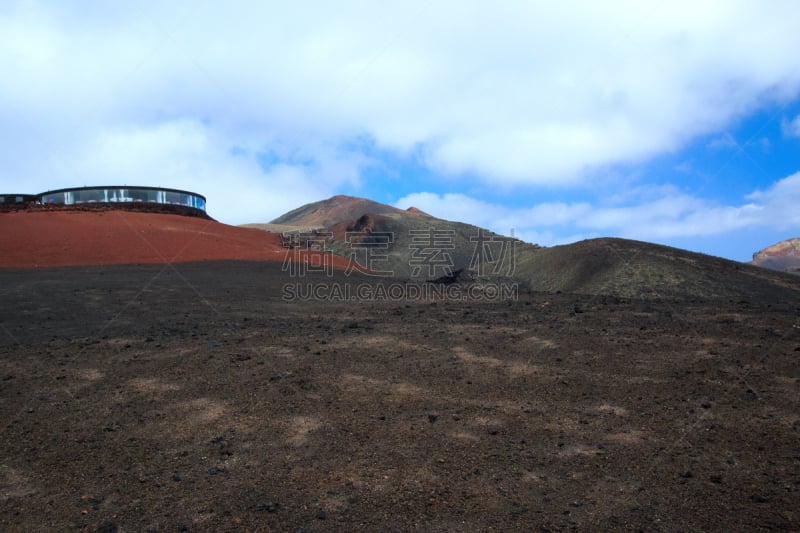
pixel 71 238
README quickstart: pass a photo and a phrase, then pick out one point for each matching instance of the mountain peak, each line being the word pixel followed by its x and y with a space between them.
pixel 337 209
pixel 784 255
pixel 414 211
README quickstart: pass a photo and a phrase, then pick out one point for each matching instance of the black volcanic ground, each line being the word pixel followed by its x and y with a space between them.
pixel 192 397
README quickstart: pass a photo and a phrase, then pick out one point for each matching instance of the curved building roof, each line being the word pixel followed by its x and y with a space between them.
pixel 116 194
pixel 135 187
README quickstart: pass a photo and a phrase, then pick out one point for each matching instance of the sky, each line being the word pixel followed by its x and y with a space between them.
pixel 670 122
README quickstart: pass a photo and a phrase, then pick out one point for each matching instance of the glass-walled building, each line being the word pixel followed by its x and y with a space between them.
pixel 17 198
pixel 123 194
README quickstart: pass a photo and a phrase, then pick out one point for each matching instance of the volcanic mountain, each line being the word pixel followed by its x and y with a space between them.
pixel 784 256
pixel 408 244
pixel 622 267
pixel 326 213
pixel 411 244
pixel 338 209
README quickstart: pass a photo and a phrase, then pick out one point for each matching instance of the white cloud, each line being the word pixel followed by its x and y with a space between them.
pixel 511 93
pixel 669 215
pixel 791 128
pixel 724 141
pixel 779 203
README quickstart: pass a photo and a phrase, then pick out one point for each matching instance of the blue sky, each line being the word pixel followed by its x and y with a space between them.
pixel 671 122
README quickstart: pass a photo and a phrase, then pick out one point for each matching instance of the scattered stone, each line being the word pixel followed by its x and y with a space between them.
pixel 269 507
pixel 92 501
pixel 108 527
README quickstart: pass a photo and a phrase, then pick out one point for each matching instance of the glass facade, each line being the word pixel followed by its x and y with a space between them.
pixel 16 198
pixel 92 195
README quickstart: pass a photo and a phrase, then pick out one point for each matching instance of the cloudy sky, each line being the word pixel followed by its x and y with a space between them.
pixel 672 122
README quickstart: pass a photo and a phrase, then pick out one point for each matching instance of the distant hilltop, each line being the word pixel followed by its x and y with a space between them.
pixel 338 209
pixel 783 256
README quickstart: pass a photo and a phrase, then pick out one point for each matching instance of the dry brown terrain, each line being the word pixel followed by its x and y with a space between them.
pixel 192 397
